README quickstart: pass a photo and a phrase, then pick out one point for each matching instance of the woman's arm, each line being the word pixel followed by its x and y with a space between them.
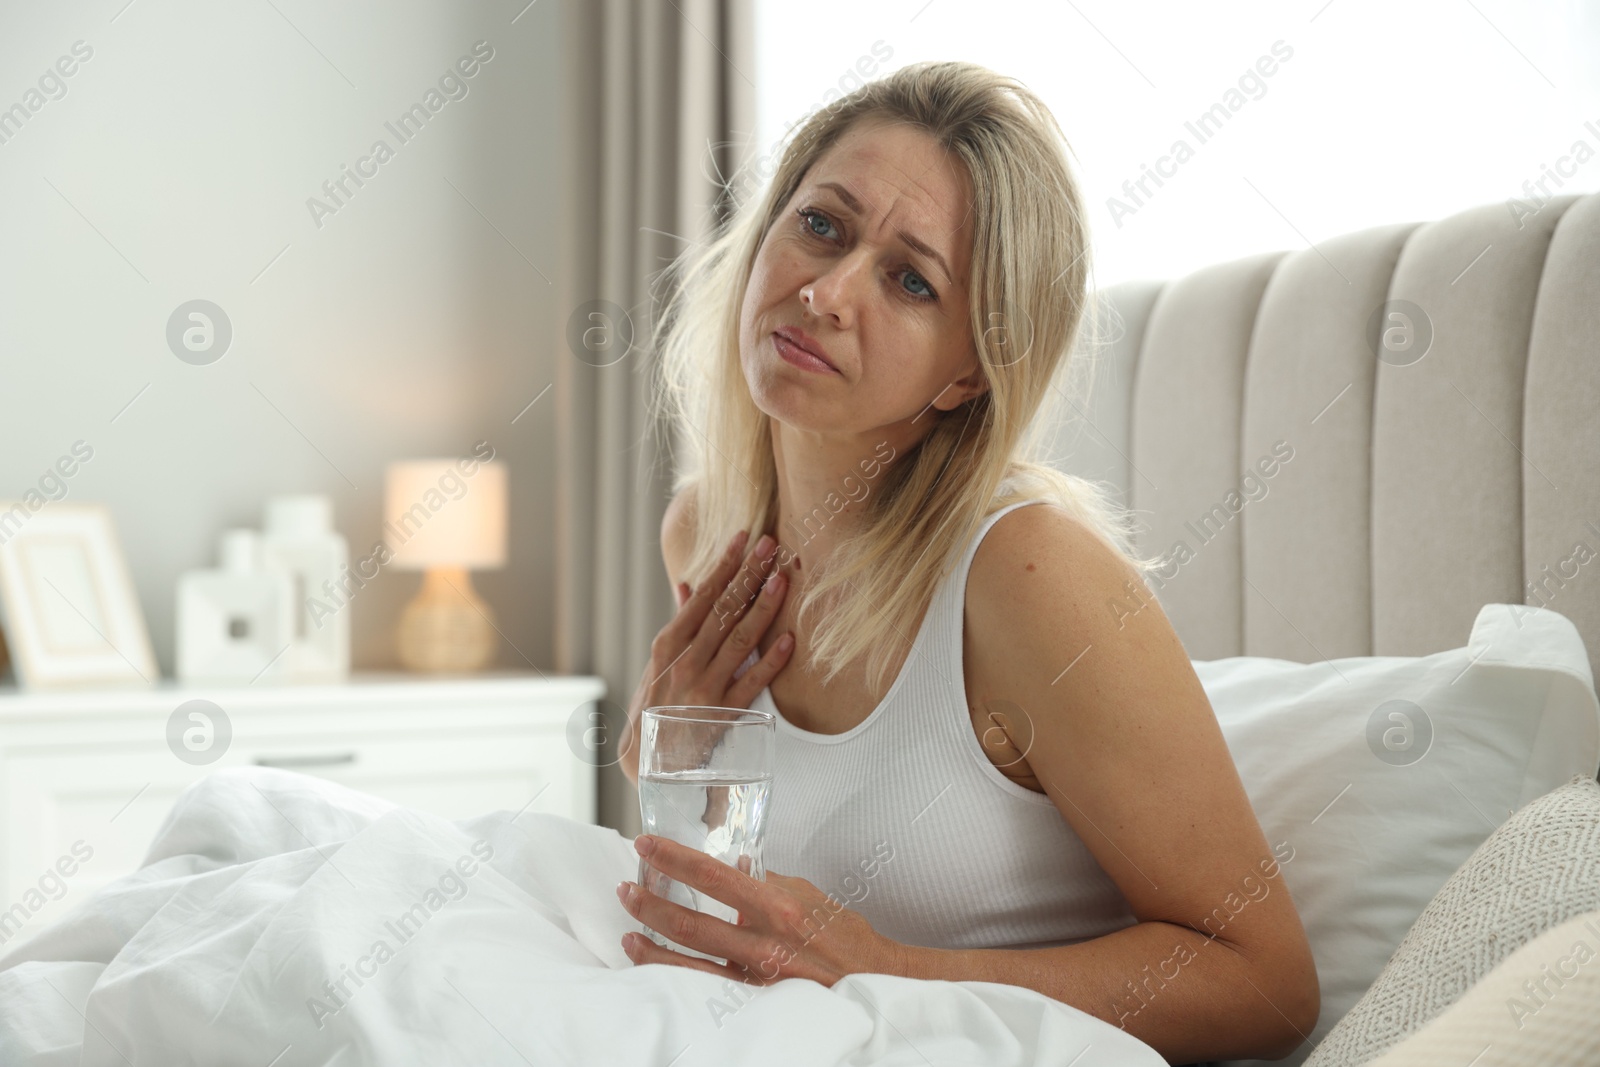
pixel 1126 745
pixel 677 538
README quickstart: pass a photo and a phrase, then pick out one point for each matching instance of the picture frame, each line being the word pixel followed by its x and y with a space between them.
pixel 67 602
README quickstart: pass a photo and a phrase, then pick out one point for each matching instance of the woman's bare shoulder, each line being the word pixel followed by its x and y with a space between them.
pixel 677 533
pixel 1042 554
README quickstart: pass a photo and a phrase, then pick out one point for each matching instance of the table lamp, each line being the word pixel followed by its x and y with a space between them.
pixel 443 521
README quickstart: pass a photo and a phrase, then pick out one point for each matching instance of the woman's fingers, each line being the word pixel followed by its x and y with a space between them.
pixel 761 672
pixel 746 634
pixel 692 612
pixel 730 605
pixel 743 865
pixel 642 950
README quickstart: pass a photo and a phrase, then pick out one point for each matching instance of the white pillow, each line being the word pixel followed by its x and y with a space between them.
pixel 1374 778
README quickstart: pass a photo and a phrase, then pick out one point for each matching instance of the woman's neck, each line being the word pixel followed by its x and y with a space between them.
pixel 825 484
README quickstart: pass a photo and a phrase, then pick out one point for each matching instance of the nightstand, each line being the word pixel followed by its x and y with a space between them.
pixel 96 765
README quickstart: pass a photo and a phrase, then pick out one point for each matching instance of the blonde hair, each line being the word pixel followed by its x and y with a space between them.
pixel 1029 294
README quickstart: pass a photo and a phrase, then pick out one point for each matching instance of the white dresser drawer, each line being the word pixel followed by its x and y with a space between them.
pixel 86 783
pixel 452 776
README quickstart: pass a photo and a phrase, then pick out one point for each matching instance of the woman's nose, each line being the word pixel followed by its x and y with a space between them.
pixel 835 292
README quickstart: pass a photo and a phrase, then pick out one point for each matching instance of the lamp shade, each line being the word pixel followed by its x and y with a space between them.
pixel 445 513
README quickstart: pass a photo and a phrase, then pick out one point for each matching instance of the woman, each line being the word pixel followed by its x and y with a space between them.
pixel 1041 796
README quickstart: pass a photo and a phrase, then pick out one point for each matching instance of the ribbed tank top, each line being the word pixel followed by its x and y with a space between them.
pixel 904 819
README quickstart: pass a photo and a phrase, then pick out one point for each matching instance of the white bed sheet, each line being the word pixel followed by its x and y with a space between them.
pixel 263 885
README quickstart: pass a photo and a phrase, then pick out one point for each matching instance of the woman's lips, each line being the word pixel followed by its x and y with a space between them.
pixel 798 356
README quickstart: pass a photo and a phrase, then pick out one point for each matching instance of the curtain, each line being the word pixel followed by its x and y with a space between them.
pixel 659 102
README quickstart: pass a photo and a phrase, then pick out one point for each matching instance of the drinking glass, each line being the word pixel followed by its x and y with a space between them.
pixel 705 779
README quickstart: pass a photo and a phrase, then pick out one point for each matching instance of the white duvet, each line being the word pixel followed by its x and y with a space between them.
pixel 281 920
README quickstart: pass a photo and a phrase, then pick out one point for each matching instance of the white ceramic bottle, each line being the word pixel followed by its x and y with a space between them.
pixel 300 540
pixel 234 622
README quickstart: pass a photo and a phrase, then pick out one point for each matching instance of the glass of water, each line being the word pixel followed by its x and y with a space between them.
pixel 705 777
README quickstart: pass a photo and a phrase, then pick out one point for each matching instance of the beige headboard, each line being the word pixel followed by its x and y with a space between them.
pixel 1418 489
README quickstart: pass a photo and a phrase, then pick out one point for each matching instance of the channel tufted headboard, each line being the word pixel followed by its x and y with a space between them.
pixel 1407 418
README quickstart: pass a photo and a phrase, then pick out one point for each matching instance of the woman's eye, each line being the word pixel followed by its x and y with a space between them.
pixel 812 217
pixel 927 293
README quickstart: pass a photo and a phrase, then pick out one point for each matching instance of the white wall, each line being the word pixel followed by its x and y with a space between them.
pixel 1384 113
pixel 177 166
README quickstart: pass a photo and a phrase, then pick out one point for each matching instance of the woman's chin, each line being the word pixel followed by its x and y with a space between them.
pixel 779 395
pixel 789 405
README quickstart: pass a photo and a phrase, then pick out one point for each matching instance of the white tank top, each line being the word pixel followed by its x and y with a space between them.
pixel 904 819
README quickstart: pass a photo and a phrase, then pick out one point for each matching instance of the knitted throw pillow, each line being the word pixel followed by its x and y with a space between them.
pixel 1564 962
pixel 1539 869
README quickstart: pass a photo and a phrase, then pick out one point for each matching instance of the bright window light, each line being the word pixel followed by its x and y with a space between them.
pixel 1373 113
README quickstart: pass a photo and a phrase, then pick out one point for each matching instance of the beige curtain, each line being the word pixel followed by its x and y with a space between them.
pixel 659 101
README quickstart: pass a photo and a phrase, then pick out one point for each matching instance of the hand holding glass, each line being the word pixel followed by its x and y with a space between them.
pixel 705 777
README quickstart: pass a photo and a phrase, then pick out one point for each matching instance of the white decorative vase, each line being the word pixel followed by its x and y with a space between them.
pixel 235 623
pixel 300 540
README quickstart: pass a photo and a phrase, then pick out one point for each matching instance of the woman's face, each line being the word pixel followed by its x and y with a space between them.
pixel 869 261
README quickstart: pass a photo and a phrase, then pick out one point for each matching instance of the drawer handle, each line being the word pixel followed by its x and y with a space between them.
pixel 332 759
